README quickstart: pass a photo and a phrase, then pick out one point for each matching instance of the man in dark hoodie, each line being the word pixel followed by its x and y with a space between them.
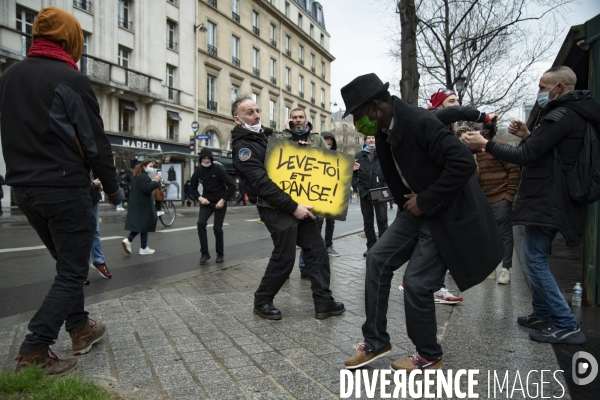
pixel 543 203
pixel 217 189
pixel 330 223
pixel 289 223
pixel 52 135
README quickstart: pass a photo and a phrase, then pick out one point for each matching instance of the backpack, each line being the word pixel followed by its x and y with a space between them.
pixel 583 181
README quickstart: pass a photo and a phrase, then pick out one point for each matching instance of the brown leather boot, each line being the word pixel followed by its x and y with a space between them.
pixel 83 341
pixel 48 361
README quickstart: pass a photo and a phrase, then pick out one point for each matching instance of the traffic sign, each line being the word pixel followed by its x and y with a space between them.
pixel 200 137
pixel 195 126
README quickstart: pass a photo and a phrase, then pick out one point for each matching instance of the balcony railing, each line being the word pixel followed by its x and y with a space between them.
pixel 83 5
pixel 26 42
pixel 322 105
pixel 211 105
pixel 101 71
pixel 212 50
pixel 288 53
pixel 273 43
pixel 235 17
pixel 171 45
pixel 323 76
pixel 273 80
pixel 126 129
pixel 288 88
pixel 312 69
pixel 312 100
pixel 235 61
pixel 301 94
pixel 301 61
pixel 126 23
pixel 173 95
pixel 212 3
pixel 256 71
pixel 256 30
pixel 273 124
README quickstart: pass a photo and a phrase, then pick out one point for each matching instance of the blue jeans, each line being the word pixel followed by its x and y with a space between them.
pixel 547 300
pixel 97 254
pixel 407 239
pixel 64 221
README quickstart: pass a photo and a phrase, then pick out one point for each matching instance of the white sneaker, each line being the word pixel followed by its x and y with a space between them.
pixel 120 209
pixel 492 275
pixel 146 251
pixel 126 245
pixel 443 296
pixel 159 213
pixel 504 278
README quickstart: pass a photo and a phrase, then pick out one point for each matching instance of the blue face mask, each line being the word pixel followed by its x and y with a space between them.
pixel 150 170
pixel 543 99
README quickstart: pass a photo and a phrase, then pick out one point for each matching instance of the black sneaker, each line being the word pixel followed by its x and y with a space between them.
pixel 534 322
pixel 220 258
pixel 555 335
pixel 333 308
pixel 332 252
pixel 204 258
pixel 267 311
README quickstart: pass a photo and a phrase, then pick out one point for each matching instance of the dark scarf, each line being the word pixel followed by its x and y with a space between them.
pixel 48 49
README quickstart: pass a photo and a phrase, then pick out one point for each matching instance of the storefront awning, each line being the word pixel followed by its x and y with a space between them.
pixel 176 154
pixel 173 115
pixel 128 105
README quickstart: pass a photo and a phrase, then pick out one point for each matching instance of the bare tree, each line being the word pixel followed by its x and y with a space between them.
pixel 493 44
pixel 409 84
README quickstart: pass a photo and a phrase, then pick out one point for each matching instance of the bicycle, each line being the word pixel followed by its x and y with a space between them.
pixel 170 213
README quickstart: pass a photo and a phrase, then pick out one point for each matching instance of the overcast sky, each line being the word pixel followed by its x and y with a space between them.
pixel 360 38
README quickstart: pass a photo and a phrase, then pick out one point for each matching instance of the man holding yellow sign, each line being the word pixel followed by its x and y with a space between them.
pixel 289 221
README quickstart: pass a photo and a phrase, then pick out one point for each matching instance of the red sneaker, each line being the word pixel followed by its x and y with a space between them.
pixel 102 269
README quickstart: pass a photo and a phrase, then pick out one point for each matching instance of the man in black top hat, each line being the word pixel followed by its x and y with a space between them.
pixel 430 175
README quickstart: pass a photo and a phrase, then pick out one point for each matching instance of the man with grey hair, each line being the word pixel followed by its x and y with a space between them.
pixel 289 223
pixel 543 204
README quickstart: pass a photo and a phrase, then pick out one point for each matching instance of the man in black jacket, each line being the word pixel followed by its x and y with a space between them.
pixel 217 189
pixel 543 203
pixel 430 175
pixel 369 176
pixel 52 135
pixel 289 223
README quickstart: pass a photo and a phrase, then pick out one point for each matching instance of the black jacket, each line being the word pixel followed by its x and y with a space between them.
pixel 249 150
pixel 216 183
pixel 369 175
pixel 52 132
pixel 543 199
pixel 326 135
pixel 439 168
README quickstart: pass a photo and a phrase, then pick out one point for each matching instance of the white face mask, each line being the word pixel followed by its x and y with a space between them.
pixel 149 170
pixel 206 165
pixel 253 128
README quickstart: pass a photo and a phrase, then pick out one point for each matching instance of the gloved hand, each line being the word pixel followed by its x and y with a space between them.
pixel 117 198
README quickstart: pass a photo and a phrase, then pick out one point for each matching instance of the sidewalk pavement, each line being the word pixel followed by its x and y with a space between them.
pixel 197 337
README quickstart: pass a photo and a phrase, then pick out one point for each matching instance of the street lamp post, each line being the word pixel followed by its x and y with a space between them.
pixel 460 87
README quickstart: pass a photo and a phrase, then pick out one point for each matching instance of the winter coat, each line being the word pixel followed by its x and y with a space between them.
pixel 141 213
pixel 449 115
pixel 369 175
pixel 543 198
pixel 216 183
pixel 249 150
pixel 313 138
pixel 439 169
pixel 326 135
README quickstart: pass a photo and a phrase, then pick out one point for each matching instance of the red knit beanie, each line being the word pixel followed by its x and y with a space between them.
pixel 438 97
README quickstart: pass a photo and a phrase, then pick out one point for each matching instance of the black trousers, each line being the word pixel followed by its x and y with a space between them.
pixel 329 226
pixel 371 212
pixel 203 216
pixel 287 232
pixel 64 220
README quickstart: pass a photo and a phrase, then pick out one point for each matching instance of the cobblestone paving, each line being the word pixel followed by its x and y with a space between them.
pixel 198 338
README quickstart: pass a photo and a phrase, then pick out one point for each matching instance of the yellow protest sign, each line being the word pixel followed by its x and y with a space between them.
pixel 313 176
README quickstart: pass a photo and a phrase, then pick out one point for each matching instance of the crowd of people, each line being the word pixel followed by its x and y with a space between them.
pixel 451 186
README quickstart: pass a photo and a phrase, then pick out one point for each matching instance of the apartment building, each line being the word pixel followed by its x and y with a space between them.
pixel 276 51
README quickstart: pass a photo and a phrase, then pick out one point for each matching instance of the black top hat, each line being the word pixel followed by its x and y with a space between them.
pixel 360 90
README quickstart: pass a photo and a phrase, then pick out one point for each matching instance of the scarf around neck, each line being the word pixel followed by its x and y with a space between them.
pixel 48 49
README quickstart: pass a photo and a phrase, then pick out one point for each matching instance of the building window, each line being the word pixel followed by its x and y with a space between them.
pixel 124 55
pixel 322 40
pixel 288 79
pixel 83 5
pixel 272 35
pixel 125 14
pixel 171 43
pixel 25 24
pixel 173 119
pixel 235 51
pixel 255 97
pixel 272 107
pixel 312 30
pixel 255 23
pixel 300 20
pixel 287 9
pixel 213 142
pixel 211 93
pixel 255 62
pixel 322 70
pixel 288 112
pixel 312 120
pixel 211 38
pixel 322 125
pixel 323 98
pixel 312 62
pixel 301 54
pixel 127 111
pixel 235 10
pixel 235 92
pixel 273 71
pixel 288 46
pixel 173 94
pixel 312 92
pixel 301 86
